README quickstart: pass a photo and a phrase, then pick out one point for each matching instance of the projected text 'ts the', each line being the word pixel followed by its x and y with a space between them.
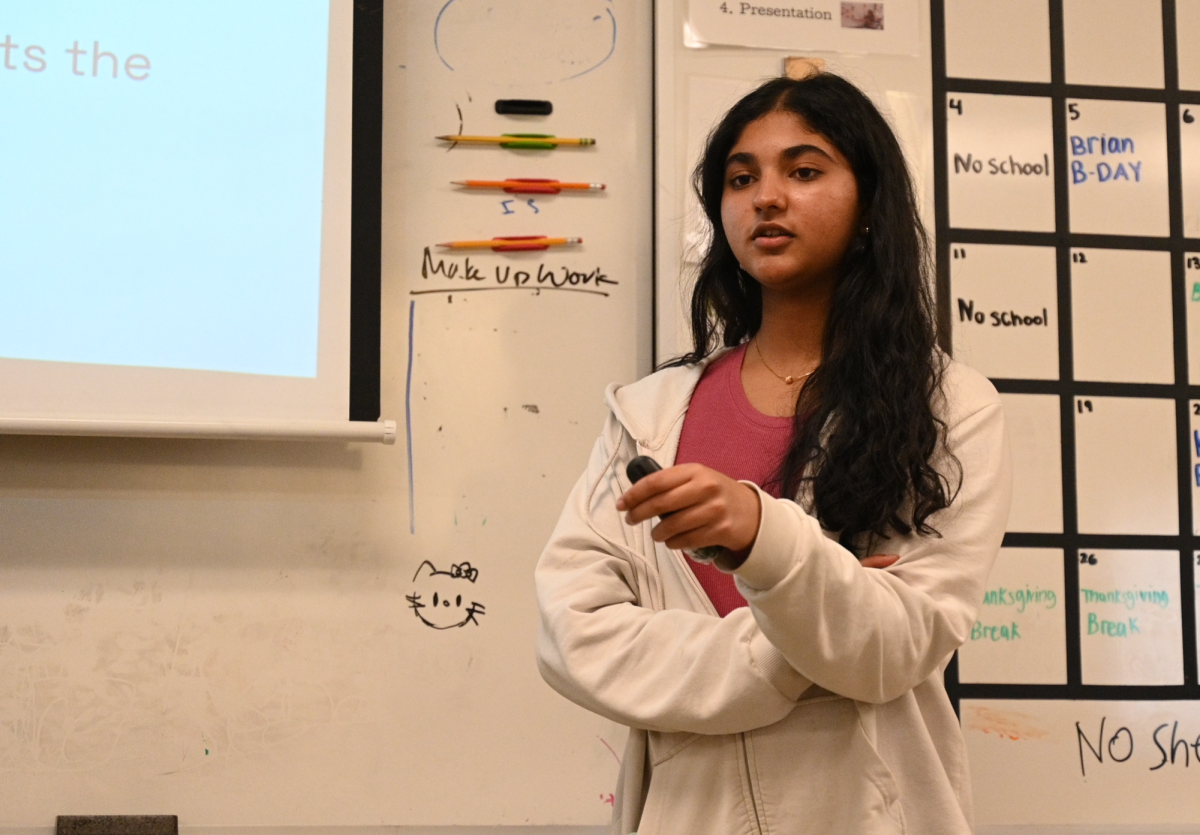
pixel 93 63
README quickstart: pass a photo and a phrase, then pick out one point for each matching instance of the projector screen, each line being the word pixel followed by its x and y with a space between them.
pixel 175 190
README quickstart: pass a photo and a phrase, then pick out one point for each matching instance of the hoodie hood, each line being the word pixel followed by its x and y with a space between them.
pixel 652 409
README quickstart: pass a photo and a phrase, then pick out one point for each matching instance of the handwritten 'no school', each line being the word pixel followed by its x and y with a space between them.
pixel 1120 744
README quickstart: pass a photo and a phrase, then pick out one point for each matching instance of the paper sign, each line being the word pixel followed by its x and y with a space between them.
pixel 888 28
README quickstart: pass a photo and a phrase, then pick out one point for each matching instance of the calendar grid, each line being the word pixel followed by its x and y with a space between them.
pixel 1068 390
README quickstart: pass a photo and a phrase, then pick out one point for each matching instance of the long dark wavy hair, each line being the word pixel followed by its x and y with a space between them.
pixel 866 438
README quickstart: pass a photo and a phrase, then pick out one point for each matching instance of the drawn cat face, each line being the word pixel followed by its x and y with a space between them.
pixel 440 599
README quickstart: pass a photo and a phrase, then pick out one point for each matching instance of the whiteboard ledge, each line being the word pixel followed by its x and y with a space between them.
pixel 381 431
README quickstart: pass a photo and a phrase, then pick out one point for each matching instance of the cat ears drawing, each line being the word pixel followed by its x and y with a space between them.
pixel 438 601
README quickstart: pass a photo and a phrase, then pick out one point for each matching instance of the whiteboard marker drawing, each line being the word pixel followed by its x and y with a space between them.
pixel 504 277
pixel 438 600
pixel 585 35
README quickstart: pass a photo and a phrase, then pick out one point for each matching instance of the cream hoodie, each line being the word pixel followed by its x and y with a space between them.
pixel 820 708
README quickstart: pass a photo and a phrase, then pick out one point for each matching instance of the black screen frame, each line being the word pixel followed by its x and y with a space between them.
pixel 366 206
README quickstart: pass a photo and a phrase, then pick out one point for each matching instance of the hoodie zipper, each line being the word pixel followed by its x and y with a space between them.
pixel 744 749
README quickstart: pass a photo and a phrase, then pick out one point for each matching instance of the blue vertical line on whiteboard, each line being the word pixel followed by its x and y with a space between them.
pixel 412 504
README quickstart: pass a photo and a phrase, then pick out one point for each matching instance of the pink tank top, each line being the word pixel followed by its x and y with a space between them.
pixel 723 431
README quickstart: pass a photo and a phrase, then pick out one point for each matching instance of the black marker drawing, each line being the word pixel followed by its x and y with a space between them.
pixel 438 599
pixel 454 145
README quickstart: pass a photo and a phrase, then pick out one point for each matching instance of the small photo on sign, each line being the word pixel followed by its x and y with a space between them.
pixel 862 15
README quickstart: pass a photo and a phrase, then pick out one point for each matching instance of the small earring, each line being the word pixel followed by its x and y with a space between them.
pixel 866 230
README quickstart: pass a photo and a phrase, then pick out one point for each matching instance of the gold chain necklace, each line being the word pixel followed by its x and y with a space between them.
pixel 789 379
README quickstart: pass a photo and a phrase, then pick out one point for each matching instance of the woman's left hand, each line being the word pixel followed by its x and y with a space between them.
pixel 698 506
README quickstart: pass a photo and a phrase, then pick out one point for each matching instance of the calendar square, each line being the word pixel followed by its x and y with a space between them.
pixel 1007 41
pixel 1193 443
pixel 1000 162
pixel 1130 618
pixel 1020 633
pixel 1187 40
pixel 1196 594
pixel 1125 465
pixel 1114 43
pixel 1121 317
pixel 1034 431
pixel 1191 301
pixel 1004 309
pixel 1189 167
pixel 1118 158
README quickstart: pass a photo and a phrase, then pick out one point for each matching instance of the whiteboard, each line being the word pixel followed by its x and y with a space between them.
pixel 225 632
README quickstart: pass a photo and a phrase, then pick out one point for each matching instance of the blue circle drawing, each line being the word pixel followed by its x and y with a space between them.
pixel 546 42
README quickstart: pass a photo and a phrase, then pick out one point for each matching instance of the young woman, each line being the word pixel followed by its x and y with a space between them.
pixel 857 478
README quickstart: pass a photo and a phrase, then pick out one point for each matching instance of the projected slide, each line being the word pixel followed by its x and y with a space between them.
pixel 161 173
